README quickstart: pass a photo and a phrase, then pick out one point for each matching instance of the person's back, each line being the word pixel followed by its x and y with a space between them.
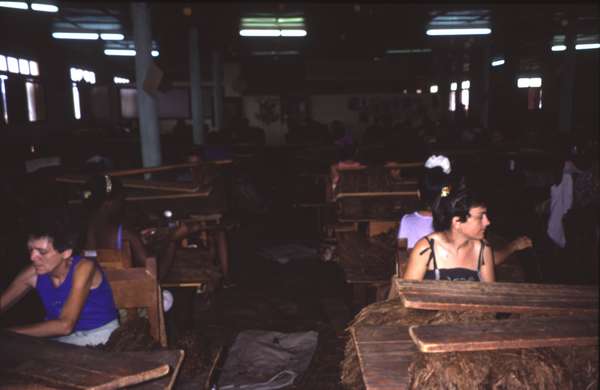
pixel 104 197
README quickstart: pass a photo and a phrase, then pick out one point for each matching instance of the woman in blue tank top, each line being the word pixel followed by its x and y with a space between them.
pixel 456 250
pixel 75 293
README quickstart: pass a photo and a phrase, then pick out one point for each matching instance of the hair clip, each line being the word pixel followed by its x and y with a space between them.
pixel 108 184
pixel 445 191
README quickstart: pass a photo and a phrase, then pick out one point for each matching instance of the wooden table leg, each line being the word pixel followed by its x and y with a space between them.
pixel 222 252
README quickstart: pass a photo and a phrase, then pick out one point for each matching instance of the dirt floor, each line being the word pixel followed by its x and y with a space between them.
pixel 300 295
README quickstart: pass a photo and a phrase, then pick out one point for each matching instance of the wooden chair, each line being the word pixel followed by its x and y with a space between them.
pixel 114 258
pixel 135 287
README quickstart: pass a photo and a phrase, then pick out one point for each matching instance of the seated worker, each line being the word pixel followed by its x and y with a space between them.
pixel 414 226
pixel 105 199
pixel 346 158
pixel 456 250
pixel 76 296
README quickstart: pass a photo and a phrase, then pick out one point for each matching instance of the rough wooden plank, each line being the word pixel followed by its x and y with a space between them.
pixel 173 358
pixel 72 366
pixel 505 334
pixel 511 304
pixel 384 353
pixel 198 194
pixel 498 297
pixel 376 194
pixel 499 287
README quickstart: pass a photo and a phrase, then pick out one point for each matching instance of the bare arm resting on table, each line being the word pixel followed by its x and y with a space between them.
pixel 85 275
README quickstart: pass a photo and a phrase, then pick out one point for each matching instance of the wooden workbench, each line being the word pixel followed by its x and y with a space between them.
pixel 33 362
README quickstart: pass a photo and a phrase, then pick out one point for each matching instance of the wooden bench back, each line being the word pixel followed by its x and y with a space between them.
pixel 114 258
pixel 136 287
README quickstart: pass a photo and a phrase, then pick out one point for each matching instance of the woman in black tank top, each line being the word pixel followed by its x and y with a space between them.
pixel 457 249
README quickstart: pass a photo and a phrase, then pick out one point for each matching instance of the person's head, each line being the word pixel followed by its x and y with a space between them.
pixel 434 177
pixel 103 191
pixel 52 239
pixel 460 210
pixel 431 182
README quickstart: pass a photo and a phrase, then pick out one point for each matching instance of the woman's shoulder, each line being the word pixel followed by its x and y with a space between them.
pixel 423 243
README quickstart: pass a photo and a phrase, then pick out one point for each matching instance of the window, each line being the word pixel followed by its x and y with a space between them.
pixel 464 93
pixel 35 103
pixel 534 91
pixel 3 92
pixel 33 89
pixel 452 99
pixel 77 76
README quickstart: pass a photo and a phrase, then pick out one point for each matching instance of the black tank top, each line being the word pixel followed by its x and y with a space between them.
pixel 454 274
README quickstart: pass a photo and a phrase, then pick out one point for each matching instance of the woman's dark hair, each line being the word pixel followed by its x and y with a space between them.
pixel 58 225
pixel 455 202
pixel 100 188
pixel 431 182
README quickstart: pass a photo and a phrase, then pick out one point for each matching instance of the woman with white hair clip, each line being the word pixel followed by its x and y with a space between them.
pixel 456 250
pixel 414 226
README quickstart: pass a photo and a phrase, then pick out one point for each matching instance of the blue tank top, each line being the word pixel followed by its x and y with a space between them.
pixel 98 309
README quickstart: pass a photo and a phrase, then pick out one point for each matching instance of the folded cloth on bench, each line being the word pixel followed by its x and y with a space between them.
pixel 263 360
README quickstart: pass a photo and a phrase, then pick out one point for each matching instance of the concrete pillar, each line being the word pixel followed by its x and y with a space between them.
pixel 196 89
pixel 217 71
pixel 567 81
pixel 485 86
pixel 148 117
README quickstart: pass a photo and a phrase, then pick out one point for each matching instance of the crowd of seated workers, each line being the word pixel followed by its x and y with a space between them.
pixel 445 238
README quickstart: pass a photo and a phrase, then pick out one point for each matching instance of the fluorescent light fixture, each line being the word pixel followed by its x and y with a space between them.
pixel 558 48
pixel 523 82
pixel 458 31
pixel 119 52
pixel 587 46
pixel 13 4
pixel 72 35
pixel 126 52
pixel 44 7
pixel 33 68
pixel 433 89
pixel 291 19
pixel 13 64
pixel 120 80
pixel 498 62
pixel 407 51
pixel 3 66
pixel 293 33
pixel 453 86
pixel 465 84
pixel 260 33
pixel 23 67
pixel 275 53
pixel 112 37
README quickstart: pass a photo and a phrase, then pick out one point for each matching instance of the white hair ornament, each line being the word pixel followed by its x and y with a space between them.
pixel 439 161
